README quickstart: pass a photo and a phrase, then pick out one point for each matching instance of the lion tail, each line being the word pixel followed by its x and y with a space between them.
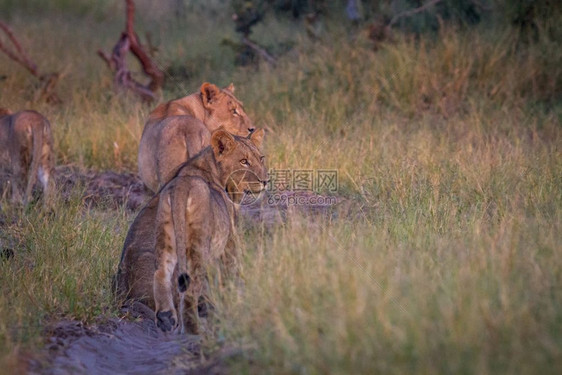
pixel 179 222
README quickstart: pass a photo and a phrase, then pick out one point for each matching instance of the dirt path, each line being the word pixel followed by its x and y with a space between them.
pixel 108 189
pixel 119 347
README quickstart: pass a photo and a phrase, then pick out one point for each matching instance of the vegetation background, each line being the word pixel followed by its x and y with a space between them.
pixel 446 134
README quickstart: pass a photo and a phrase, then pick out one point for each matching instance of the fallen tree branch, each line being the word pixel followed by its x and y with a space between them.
pixel 260 50
pixel 20 57
pixel 47 81
pixel 411 12
pixel 117 61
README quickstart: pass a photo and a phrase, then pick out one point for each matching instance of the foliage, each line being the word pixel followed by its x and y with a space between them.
pixel 445 254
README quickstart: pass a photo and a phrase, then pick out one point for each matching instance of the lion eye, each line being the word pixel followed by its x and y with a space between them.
pixel 235 112
pixel 262 158
pixel 245 162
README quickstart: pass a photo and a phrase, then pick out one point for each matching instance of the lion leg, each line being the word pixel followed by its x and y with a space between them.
pixel 45 173
pixel 193 309
pixel 17 178
pixel 16 191
pixel 188 315
pixel 198 245
pixel 44 176
pixel 166 315
pixel 204 304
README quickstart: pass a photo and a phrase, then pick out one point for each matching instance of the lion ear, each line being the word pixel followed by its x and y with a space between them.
pixel 209 93
pixel 222 142
pixel 230 88
pixel 257 137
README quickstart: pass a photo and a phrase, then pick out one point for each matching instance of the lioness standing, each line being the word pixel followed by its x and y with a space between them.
pixel 26 153
pixel 179 129
pixel 189 224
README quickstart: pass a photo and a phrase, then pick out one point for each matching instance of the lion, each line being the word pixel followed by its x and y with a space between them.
pixel 26 153
pixel 134 281
pixel 188 225
pixel 179 129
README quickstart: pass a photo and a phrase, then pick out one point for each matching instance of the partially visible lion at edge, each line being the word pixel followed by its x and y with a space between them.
pixel 26 153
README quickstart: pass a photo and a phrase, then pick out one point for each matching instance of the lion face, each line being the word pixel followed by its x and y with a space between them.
pixel 225 110
pixel 241 163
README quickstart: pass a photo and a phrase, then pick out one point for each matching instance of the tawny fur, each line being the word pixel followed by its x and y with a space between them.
pixel 26 153
pixel 181 128
pixel 188 226
pixel 135 274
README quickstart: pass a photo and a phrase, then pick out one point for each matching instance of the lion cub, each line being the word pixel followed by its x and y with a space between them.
pixel 179 129
pixel 188 225
pixel 26 153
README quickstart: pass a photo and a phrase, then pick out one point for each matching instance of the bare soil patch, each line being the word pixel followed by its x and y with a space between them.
pixel 108 189
pixel 133 345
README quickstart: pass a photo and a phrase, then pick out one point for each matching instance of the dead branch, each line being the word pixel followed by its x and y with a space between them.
pixel 130 11
pixel 47 81
pixel 411 12
pixel 20 56
pixel 128 42
pixel 105 57
pixel 261 51
pixel 148 66
pixel 47 92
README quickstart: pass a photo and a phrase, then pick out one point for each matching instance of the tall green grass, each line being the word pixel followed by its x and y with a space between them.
pixel 449 261
pixel 452 264
pixel 445 255
pixel 61 267
pixel 412 294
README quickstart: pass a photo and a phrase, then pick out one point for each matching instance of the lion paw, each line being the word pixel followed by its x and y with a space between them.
pixel 165 320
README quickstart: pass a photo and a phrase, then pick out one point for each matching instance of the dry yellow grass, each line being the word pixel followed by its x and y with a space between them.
pixel 448 259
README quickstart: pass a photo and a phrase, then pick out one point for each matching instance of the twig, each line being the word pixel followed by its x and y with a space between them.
pixel 47 81
pixel 411 12
pixel 148 66
pixel 106 58
pixel 261 51
pixel 23 59
pixel 130 17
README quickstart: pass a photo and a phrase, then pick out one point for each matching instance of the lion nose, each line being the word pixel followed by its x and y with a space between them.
pixel 251 130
